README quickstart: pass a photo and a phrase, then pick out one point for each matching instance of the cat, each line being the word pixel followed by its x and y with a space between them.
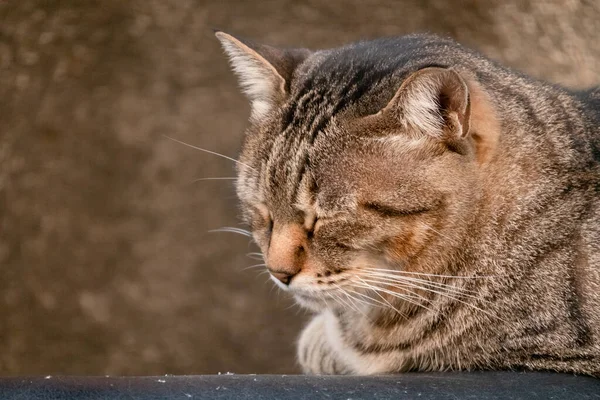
pixel 436 210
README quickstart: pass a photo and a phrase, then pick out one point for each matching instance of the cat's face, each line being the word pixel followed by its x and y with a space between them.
pixel 360 198
pixel 340 194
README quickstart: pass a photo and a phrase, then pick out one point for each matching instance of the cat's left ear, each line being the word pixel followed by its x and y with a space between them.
pixel 264 72
pixel 433 101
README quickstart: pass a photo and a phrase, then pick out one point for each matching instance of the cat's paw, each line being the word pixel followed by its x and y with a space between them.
pixel 315 355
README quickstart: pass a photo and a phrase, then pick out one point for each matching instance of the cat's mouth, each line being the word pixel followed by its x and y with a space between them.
pixel 319 294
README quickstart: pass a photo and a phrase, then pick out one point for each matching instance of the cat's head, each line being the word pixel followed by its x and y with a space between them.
pixel 358 162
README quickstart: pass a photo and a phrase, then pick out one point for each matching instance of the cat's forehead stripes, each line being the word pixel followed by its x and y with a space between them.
pixel 361 78
pixel 312 106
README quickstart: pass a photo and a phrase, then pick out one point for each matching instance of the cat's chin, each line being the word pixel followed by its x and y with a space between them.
pixel 315 304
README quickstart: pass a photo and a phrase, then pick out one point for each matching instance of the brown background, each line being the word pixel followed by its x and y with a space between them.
pixel 106 265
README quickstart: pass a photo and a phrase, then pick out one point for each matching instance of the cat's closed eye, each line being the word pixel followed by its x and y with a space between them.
pixel 391 211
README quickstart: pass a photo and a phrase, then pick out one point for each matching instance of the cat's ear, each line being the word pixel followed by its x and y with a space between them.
pixel 264 72
pixel 433 101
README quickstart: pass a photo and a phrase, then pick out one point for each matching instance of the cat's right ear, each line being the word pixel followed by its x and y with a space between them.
pixel 264 72
pixel 443 104
pixel 434 101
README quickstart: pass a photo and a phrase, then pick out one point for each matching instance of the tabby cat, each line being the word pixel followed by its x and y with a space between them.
pixel 436 210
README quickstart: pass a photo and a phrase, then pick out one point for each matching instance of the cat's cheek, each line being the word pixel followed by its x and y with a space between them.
pixel 408 244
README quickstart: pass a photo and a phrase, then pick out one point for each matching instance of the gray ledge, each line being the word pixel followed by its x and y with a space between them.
pixel 451 385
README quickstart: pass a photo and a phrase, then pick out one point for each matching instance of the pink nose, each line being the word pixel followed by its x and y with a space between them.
pixel 283 277
pixel 287 252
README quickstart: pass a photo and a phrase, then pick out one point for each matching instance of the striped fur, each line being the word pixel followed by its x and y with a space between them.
pixel 447 220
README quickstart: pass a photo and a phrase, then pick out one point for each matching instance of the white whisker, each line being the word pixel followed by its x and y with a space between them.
pixel 395 294
pixel 378 303
pixel 439 285
pixel 232 229
pixel 426 274
pixel 209 151
pixel 343 291
pixel 449 297
pixel 255 256
pixel 336 299
pixel 376 291
pixel 254 266
pixel 405 283
pixel 224 178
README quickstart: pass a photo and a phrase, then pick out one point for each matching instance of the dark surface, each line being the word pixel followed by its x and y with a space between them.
pixel 106 262
pixel 486 385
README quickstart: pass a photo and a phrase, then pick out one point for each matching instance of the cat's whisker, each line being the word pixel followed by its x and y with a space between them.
pixel 353 305
pixel 232 229
pixel 254 266
pixel 345 292
pixel 359 300
pixel 385 300
pixel 378 303
pixel 255 256
pixel 395 294
pixel 396 271
pixel 401 297
pixel 335 299
pixel 377 289
pixel 426 285
pixel 439 285
pixel 209 152
pixel 273 287
pixel 403 284
pixel 396 284
pixel 449 297
pixel 348 303
pixel 224 178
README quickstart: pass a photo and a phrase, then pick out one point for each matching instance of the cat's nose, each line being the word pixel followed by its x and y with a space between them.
pixel 287 252
pixel 283 277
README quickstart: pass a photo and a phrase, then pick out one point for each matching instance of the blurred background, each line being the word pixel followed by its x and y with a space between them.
pixel 106 262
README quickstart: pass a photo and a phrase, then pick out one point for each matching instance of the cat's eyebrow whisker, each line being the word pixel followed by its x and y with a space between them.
pixel 436 231
pixel 209 152
pixel 232 229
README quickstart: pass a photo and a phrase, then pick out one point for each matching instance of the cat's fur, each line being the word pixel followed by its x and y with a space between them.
pixel 438 211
